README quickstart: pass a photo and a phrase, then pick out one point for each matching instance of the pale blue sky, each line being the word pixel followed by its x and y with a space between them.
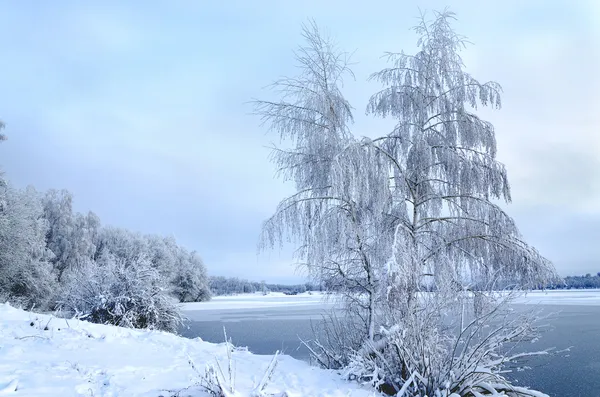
pixel 139 109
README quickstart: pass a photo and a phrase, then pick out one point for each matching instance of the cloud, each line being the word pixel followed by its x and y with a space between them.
pixel 243 264
pixel 142 113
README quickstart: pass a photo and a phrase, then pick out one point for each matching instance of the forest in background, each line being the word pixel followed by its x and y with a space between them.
pixel 220 285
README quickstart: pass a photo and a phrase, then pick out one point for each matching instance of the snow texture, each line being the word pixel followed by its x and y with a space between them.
pixel 76 358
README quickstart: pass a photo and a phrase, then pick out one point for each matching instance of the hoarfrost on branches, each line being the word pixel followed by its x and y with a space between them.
pixel 111 291
pixel 70 236
pixel 443 160
pixel 340 205
pixel 26 276
pixel 406 227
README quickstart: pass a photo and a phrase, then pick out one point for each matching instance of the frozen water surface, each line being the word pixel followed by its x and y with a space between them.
pixel 275 322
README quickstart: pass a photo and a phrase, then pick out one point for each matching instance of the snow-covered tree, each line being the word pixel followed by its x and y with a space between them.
pixel 26 276
pixel 220 285
pixel 2 136
pixel 445 173
pixel 184 271
pixel 50 254
pixel 162 252
pixel 58 212
pixel 70 236
pixel 125 293
pixel 341 205
pixel 126 245
pixel 190 281
pixel 408 225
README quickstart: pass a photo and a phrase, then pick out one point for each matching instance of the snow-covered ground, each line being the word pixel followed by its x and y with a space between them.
pixel 75 358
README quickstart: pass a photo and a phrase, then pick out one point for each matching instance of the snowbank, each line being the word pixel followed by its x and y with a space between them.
pixel 75 358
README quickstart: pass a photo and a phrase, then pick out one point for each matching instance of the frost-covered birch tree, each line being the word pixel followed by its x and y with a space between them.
pixel 340 205
pixel 407 226
pixel 451 234
pixel 443 159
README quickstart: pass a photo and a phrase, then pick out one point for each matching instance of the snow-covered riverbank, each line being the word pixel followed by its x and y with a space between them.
pixel 76 358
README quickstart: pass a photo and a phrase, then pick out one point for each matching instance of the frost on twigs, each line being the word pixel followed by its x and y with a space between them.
pixel 218 382
pixel 26 275
pixel 404 226
pixel 337 340
pixel 111 291
pixel 469 355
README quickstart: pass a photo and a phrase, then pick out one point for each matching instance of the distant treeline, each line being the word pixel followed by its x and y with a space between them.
pixel 233 285
pixel 575 282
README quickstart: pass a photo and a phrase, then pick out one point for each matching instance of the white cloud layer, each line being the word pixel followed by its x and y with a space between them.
pixel 142 114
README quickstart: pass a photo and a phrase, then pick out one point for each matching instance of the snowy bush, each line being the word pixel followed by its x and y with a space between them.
pixel 111 291
pixel 218 383
pixel 183 271
pixel 416 357
pixel 338 338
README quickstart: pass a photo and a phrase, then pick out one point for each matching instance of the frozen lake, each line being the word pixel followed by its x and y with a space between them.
pixel 276 321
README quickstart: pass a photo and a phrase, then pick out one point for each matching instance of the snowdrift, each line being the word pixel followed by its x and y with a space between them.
pixel 43 356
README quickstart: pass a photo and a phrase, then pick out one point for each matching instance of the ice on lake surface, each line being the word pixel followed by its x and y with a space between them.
pixel 586 297
pixel 276 322
pixel 263 323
